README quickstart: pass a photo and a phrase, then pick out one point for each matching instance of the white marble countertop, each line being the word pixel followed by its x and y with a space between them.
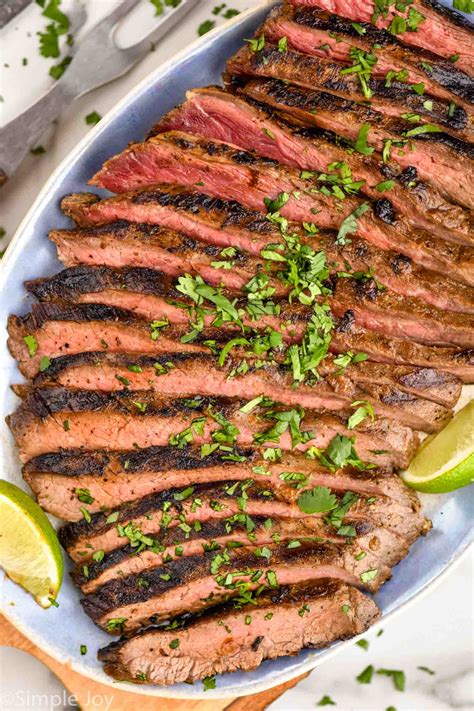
pixel 437 631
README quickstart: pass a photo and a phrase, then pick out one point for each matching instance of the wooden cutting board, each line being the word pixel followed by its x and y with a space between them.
pixel 84 689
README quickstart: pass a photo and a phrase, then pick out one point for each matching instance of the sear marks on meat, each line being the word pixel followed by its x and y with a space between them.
pixel 147 598
pixel 109 475
pixel 320 33
pixel 438 30
pixel 219 169
pixel 106 246
pixel 124 420
pixel 394 103
pixel 151 295
pixel 195 374
pixel 217 114
pixel 155 657
pixel 385 547
pixel 433 155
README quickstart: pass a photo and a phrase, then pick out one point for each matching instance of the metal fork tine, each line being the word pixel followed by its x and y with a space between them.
pixel 168 21
pixel 117 14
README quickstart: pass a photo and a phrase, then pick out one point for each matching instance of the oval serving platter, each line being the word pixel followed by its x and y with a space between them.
pixel 61 631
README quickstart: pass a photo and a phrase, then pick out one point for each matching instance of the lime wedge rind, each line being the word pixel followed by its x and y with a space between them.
pixel 30 553
pixel 445 462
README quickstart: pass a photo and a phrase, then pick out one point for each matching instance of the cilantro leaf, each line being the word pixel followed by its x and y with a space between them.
pixel 397 676
pixel 349 225
pixel 317 500
pixel 361 144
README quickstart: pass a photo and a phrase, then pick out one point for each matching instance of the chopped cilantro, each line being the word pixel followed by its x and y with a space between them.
pixel 326 701
pixel 209 682
pixel 256 44
pixel 203 28
pixel 361 144
pixel 369 575
pixel 365 677
pixel 31 344
pixel 349 225
pixel 397 676
pixel 92 118
pixel 320 499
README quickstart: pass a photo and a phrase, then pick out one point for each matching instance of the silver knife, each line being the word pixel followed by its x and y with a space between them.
pixel 82 75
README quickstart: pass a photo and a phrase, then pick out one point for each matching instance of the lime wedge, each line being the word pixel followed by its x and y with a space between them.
pixel 30 553
pixel 445 461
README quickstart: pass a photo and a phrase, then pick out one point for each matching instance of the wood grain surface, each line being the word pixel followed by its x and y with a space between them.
pixel 84 689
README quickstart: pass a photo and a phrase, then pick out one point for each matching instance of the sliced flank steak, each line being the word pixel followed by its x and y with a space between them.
pixel 350 336
pixel 320 33
pixel 401 107
pixel 198 583
pixel 391 314
pixel 216 114
pixel 384 545
pixel 152 295
pixel 433 155
pixel 196 374
pixel 132 245
pixel 243 637
pixel 52 330
pixel 428 25
pixel 227 224
pixel 73 485
pixel 391 506
pixel 219 169
pixel 124 420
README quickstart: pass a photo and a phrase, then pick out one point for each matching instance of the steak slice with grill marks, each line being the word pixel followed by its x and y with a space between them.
pixel 394 103
pixel 141 600
pixel 151 295
pixel 57 329
pixel 220 170
pixel 349 336
pixel 59 480
pixel 394 315
pixel 397 507
pixel 123 244
pixel 217 114
pixel 434 155
pixel 439 29
pixel 123 420
pixel 384 545
pixel 319 33
pixel 228 224
pixel 155 656
pixel 195 374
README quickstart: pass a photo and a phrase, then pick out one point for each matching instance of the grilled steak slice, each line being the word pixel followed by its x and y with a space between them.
pixel 123 244
pixel 228 224
pixel 383 544
pixel 395 315
pixel 155 657
pixel 439 29
pixel 349 336
pixel 151 295
pixel 392 505
pixel 214 489
pixel 434 155
pixel 319 33
pixel 140 600
pixel 395 102
pixel 123 420
pixel 196 374
pixel 57 329
pixel 216 114
pixel 238 175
